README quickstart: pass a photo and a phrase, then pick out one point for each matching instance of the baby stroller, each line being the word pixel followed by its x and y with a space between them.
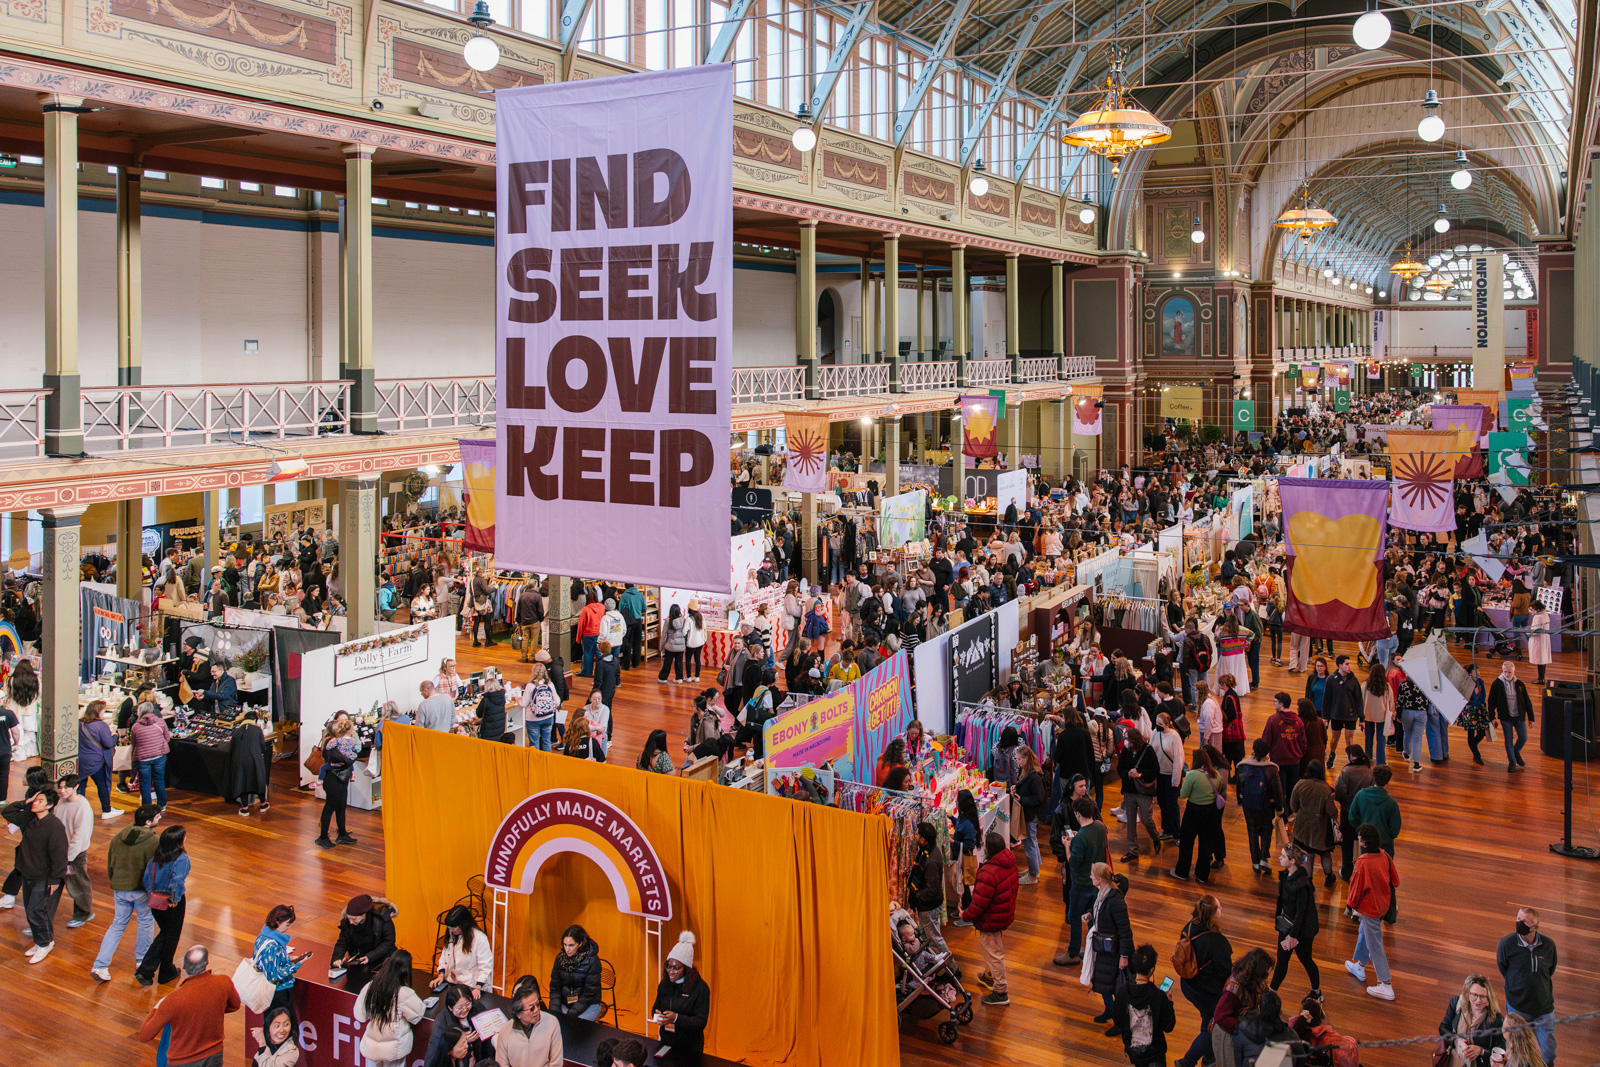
pixel 926 983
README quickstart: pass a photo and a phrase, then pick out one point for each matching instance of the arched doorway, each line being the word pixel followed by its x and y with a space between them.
pixel 828 326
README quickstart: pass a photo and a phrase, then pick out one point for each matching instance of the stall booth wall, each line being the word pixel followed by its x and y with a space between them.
pixel 787 901
pixel 321 698
pixel 930 666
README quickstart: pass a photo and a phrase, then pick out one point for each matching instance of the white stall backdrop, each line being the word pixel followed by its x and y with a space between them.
pixel 930 667
pixel 391 673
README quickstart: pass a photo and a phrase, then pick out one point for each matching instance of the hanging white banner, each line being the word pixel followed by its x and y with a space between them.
pixel 614 248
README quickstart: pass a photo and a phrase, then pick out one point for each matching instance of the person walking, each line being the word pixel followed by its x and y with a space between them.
pixel 1140 770
pixel 1372 888
pixel 1029 795
pixel 126 858
pixel 195 1012
pixel 1341 703
pixel 1168 745
pixel 1509 702
pixel 1296 920
pixel 992 909
pixel 274 959
pixel 674 641
pixel 77 815
pixel 389 1007
pixel 1111 938
pixel 1475 717
pixel 41 864
pixel 249 760
pixel 150 736
pixel 1471 1025
pixel 1539 639
pixel 1375 806
pixel 1412 705
pixel 1377 713
pixel 925 893
pixel 1203 977
pixel 339 752
pixel 1240 995
pixel 166 881
pixel 1259 789
pixel 97 746
pixel 1144 1015
pixel 1087 847
pixel 530 616
pixel 1314 814
pixel 1204 789
pixel 1528 960
pixel 1356 776
pixel 540 703
pixel 694 641
pixel 1285 735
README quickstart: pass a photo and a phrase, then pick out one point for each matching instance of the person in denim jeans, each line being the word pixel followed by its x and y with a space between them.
pixel 126 860
pixel 150 746
pixel 1528 960
pixel 540 702
pixel 1509 702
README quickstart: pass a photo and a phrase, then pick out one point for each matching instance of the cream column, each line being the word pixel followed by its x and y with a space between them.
pixel 865 339
pixel 63 426
pixel 806 314
pixel 130 547
pixel 933 321
pixel 891 310
pixel 59 642
pixel 1014 434
pixel 960 335
pixel 358 552
pixel 1058 323
pixel 919 350
pixel 130 278
pixel 357 308
pixel 1013 317
pixel 891 454
pixel 558 616
pixel 1063 438
pixel 210 540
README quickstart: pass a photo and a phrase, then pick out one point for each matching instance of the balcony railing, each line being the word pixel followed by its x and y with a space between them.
pixel 126 418
pixel 988 371
pixel 1039 370
pixel 1079 367
pixel 22 423
pixel 434 403
pixel 768 385
pixel 915 377
pixel 853 379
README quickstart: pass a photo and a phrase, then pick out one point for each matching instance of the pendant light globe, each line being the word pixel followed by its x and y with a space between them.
pixel 1372 30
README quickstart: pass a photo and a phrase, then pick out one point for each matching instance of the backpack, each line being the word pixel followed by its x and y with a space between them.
pixel 1183 959
pixel 1141 1032
pixel 1254 792
pixel 1202 655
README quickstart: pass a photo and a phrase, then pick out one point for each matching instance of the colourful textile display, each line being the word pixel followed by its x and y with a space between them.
pixel 477 492
pixel 1467 422
pixel 1333 532
pixel 1424 461
pixel 805 468
pixel 980 417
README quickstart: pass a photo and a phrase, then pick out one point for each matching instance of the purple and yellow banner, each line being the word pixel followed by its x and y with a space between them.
pixel 1467 421
pixel 477 493
pixel 812 734
pixel 980 416
pixel 1333 533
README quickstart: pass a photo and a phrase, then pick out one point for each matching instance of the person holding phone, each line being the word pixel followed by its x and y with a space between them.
pixel 276 961
pixel 1144 1013
pixel 682 1005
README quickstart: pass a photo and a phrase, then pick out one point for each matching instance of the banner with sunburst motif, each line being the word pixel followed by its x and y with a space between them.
pixel 1422 496
pixel 1466 421
pixel 806 453
pixel 979 416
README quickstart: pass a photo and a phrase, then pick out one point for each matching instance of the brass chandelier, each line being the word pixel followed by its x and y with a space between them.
pixel 1408 268
pixel 1305 221
pixel 1117 125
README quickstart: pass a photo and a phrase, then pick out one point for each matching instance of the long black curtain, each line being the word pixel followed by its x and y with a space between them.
pixel 288 646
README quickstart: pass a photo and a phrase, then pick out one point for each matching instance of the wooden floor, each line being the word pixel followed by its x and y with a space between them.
pixel 1473 848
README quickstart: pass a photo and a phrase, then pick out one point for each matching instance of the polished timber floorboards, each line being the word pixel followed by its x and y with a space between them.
pixel 1474 847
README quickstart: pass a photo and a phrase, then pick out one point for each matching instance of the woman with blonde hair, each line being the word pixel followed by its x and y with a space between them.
pixel 1521 1044
pixel 1471 1027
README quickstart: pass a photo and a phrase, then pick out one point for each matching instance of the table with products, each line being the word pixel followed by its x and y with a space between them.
pixel 200 754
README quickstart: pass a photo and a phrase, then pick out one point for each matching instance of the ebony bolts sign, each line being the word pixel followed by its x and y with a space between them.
pixel 614 248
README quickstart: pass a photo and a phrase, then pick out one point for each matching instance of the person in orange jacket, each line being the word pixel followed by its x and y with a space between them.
pixel 1372 885
pixel 589 620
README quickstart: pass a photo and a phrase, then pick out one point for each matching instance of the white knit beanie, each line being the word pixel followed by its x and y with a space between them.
pixel 683 951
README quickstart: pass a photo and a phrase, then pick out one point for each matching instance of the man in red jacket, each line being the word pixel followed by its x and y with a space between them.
pixel 195 1010
pixel 993 907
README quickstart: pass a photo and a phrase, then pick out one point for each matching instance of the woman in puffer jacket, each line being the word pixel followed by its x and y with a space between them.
pixel 575 976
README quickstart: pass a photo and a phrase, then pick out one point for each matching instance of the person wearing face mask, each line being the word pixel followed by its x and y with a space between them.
pixel 1527 960
pixel 1509 702
pixel 682 1005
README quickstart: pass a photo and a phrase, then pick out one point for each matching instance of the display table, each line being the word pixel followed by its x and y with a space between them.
pixel 198 767
pixel 1501 617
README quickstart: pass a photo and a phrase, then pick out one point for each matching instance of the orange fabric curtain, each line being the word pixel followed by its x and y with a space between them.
pixel 789 902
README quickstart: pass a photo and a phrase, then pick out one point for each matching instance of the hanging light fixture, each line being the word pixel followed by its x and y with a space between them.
pixel 1086 215
pixel 1372 30
pixel 1335 279
pixel 1462 178
pixel 978 185
pixel 1197 235
pixel 1305 221
pixel 1438 283
pixel 1442 223
pixel 1116 125
pixel 1369 290
pixel 1431 128
pixel 1327 269
pixel 804 137
pixel 480 51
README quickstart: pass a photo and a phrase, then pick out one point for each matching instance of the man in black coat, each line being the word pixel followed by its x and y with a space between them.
pixel 1514 715
pixel 366 939
pixel 607 674
pixel 42 865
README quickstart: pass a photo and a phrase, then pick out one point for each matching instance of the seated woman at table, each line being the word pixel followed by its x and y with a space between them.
pixel 467 958
pixel 683 1004
pixel 456 1017
pixel 447 681
pixel 575 976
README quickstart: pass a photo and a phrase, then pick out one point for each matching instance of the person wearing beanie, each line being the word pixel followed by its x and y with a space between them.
pixel 682 1005
pixel 613 626
pixel 366 939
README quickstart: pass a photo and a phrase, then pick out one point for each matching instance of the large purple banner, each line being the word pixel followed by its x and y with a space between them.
pixel 614 248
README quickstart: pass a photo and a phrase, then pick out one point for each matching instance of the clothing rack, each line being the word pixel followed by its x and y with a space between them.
pixel 1133 613
pixel 978 729
pixel 905 811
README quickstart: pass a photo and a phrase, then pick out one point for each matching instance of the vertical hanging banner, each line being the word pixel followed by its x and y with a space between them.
pixel 477 491
pixel 1533 344
pixel 1341 400
pixel 1489 399
pixel 1466 420
pixel 805 468
pixel 1379 341
pixel 1086 416
pixel 614 249
pixel 1333 532
pixel 980 416
pixel 1488 321
pixel 1424 463
pixel 1244 415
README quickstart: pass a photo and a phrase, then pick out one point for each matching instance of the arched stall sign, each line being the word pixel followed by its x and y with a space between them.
pixel 557 821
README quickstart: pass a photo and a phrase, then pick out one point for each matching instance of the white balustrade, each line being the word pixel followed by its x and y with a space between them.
pixel 1079 367
pixel 1039 370
pixel 988 371
pixel 768 385
pixel 124 418
pixel 915 377
pixel 853 379
pixel 435 403
pixel 22 423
